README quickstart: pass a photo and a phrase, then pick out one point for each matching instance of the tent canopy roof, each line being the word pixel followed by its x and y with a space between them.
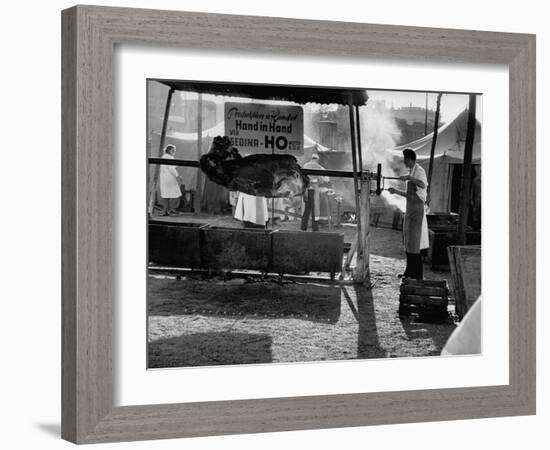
pixel 296 94
pixel 451 139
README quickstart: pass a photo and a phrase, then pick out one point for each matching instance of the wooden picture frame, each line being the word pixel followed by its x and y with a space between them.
pixel 90 34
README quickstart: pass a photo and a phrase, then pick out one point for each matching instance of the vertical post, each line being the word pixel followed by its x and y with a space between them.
pixel 314 223
pixel 364 200
pixel 167 107
pixel 273 198
pixel 434 142
pixel 198 187
pixel 363 260
pixel 329 202
pixel 359 150
pixel 272 212
pixel 466 172
pixel 359 272
pixel 426 117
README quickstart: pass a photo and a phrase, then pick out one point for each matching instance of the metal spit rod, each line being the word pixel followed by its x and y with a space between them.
pixel 366 174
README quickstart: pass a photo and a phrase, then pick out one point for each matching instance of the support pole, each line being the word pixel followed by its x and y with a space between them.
pixel 314 223
pixel 434 143
pixel 273 199
pixel 359 150
pixel 198 188
pixel 466 173
pixel 349 257
pixel 426 117
pixel 152 194
pixel 362 268
pixel 359 275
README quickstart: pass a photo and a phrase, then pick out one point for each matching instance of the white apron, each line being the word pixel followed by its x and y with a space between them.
pixel 418 172
pixel 251 209
pixel 424 237
pixel 413 221
pixel 169 186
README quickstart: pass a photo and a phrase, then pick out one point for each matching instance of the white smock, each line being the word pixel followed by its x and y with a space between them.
pixel 169 186
pixel 251 209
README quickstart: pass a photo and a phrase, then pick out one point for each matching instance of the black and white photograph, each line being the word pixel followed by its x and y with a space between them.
pixel 293 224
pixel 275 225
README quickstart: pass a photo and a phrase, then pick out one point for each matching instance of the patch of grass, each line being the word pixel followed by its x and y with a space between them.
pixel 196 322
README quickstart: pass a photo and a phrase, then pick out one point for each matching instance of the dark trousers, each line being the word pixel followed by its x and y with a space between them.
pixel 169 204
pixel 309 210
pixel 414 266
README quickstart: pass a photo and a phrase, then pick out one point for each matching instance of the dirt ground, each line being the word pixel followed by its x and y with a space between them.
pixel 194 320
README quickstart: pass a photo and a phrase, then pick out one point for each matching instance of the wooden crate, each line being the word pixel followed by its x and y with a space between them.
pixel 465 265
pixel 428 299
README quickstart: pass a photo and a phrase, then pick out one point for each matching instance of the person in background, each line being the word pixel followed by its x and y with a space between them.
pixel 252 210
pixel 416 194
pixel 315 183
pixel 170 191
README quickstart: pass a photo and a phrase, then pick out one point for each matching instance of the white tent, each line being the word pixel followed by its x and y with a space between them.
pixel 449 151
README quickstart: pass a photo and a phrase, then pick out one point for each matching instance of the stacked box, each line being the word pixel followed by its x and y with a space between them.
pixel 426 298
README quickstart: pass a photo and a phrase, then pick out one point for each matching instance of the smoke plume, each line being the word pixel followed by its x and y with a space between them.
pixel 393 200
pixel 379 133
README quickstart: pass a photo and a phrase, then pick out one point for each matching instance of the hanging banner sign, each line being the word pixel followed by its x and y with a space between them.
pixel 260 128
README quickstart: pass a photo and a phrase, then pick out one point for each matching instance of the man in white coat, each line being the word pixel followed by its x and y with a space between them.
pixel 415 224
pixel 170 191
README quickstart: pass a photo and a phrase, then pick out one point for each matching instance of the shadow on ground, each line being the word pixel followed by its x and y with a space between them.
pixel 317 303
pixel 438 333
pixel 209 349
pixel 368 345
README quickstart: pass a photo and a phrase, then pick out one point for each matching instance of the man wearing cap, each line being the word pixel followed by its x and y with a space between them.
pixel 416 194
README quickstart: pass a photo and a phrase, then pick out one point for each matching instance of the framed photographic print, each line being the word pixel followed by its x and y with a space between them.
pixel 261 203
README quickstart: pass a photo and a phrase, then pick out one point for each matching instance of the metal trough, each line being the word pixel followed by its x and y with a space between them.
pixel 440 221
pixel 236 248
pixel 175 243
pixel 440 241
pixel 299 252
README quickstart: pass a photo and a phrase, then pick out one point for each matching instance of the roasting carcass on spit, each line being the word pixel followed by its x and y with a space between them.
pixel 259 175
